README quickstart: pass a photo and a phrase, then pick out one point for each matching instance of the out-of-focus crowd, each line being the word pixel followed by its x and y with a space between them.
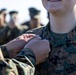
pixel 12 29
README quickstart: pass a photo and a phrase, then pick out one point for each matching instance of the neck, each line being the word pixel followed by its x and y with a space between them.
pixel 63 23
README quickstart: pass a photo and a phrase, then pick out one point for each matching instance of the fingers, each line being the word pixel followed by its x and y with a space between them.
pixel 28 35
pixel 25 37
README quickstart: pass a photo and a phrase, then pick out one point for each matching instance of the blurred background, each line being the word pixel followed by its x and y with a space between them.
pixel 19 16
pixel 22 7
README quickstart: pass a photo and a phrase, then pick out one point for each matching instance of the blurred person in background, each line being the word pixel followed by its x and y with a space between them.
pixel 34 21
pixel 1 21
pixel 3 14
pixel 12 29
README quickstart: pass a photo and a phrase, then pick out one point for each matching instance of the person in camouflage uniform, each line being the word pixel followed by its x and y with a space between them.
pixel 4 15
pixel 61 34
pixel 11 30
pixel 14 63
pixel 3 22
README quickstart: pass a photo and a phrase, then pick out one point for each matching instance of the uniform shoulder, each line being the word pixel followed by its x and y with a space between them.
pixel 36 30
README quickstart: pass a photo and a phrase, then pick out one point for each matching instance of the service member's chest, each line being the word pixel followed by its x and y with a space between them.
pixel 63 60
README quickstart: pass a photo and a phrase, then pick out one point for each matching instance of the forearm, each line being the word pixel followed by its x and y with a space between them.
pixel 26 52
pixel 4 51
pixel 23 62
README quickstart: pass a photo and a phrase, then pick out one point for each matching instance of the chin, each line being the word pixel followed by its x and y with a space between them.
pixel 55 9
pixel 54 6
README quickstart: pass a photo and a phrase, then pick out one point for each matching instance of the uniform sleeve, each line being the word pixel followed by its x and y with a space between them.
pixel 3 34
pixel 3 31
pixel 22 64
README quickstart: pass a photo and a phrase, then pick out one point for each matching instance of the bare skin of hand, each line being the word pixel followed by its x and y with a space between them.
pixel 16 45
pixel 40 47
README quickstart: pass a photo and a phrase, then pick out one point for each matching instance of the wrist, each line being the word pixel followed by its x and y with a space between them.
pixel 7 47
pixel 5 51
pixel 29 54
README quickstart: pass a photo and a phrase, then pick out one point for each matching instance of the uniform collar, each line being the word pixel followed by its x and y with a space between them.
pixel 71 35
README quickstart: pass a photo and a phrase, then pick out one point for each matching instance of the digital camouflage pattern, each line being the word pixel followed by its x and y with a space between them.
pixel 22 64
pixel 62 58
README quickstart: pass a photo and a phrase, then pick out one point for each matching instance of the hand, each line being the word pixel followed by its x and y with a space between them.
pixel 40 47
pixel 16 45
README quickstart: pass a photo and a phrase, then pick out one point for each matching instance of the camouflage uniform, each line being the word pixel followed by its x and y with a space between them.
pixel 62 58
pixel 22 64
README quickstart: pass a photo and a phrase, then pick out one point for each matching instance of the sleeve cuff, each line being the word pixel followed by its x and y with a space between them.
pixel 4 51
pixel 29 54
